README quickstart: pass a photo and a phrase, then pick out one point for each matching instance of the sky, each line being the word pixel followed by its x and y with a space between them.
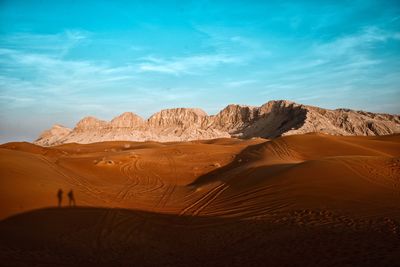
pixel 63 60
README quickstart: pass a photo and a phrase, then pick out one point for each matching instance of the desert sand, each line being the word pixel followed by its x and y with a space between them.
pixel 299 200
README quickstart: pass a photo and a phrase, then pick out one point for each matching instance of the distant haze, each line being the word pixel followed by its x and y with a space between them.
pixel 63 60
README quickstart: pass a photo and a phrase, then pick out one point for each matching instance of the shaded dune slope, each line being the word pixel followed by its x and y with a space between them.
pixel 105 237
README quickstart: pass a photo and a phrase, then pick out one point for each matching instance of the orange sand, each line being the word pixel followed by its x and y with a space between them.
pixel 304 200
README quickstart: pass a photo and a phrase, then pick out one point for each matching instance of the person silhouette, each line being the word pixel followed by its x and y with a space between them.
pixel 59 196
pixel 71 198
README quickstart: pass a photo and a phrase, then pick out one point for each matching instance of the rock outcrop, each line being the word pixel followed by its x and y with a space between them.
pixel 273 119
pixel 53 135
pixel 127 120
pixel 89 124
pixel 234 118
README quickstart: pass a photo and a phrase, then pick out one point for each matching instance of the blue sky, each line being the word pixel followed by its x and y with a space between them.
pixel 62 60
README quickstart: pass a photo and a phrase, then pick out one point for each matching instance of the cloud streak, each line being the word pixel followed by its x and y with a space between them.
pixel 58 44
pixel 367 38
pixel 187 65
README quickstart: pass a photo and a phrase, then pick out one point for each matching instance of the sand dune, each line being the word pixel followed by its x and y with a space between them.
pixel 109 237
pixel 285 201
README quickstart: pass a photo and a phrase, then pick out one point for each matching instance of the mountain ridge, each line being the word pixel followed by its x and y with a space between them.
pixel 272 119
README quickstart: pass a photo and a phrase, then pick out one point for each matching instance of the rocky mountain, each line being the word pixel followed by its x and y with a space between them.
pixel 53 135
pixel 273 119
pixel 127 120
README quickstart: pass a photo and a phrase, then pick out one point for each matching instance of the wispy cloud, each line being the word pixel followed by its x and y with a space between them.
pixel 226 49
pixel 233 41
pixel 58 44
pixel 186 65
pixel 16 99
pixel 348 54
pixel 367 38
pixel 239 83
pixel 58 75
pixel 342 70
pixel 88 87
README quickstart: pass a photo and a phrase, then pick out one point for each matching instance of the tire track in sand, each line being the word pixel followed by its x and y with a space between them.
pixel 165 197
pixel 204 201
pixel 81 183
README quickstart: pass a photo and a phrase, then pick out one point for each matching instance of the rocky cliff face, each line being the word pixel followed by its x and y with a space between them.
pixel 127 120
pixel 53 135
pixel 234 118
pixel 89 123
pixel 273 119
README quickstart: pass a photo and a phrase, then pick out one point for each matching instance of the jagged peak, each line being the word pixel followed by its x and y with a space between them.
pixel 127 119
pixel 281 102
pixel 56 128
pixel 59 126
pixel 127 115
pixel 172 111
pixel 52 135
pixel 88 122
pixel 89 119
pixel 237 106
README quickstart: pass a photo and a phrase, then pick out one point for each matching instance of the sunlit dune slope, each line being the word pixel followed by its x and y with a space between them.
pixel 224 177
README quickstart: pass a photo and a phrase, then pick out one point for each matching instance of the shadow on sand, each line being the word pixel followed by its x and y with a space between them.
pixel 88 236
pixel 229 172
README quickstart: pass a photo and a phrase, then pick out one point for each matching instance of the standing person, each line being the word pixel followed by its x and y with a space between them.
pixel 59 196
pixel 71 198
